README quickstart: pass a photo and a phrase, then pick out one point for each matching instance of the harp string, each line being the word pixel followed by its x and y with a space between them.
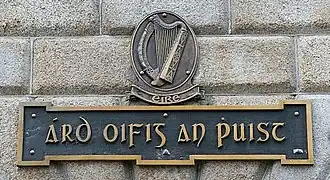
pixel 164 39
pixel 168 42
pixel 168 38
pixel 164 47
pixel 158 35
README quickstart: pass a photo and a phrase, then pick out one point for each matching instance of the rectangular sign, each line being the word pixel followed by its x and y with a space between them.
pixel 165 135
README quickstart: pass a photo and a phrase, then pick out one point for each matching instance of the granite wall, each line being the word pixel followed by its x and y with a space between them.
pixel 76 53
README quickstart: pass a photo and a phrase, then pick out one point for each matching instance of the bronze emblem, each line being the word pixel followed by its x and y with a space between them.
pixel 164 55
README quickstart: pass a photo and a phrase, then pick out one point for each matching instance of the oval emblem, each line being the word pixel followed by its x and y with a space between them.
pixel 164 55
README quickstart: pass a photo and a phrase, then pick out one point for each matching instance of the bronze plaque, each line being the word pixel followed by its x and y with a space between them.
pixel 170 135
pixel 164 55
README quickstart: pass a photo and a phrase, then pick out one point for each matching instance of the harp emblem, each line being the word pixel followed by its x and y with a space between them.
pixel 170 40
pixel 164 56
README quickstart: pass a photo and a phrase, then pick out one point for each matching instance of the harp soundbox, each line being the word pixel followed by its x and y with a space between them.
pixel 170 40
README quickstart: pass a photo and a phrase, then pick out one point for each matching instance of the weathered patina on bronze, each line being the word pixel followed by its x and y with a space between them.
pixel 164 56
pixel 165 135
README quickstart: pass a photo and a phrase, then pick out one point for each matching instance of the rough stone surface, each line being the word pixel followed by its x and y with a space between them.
pixel 101 65
pixel 313 59
pixel 246 64
pixel 237 169
pixel 98 65
pixel 57 170
pixel 164 172
pixel 233 170
pixel 14 65
pixel 243 100
pixel 8 134
pixel 49 18
pixel 81 100
pixel 205 17
pixel 321 140
pixel 95 170
pixel 281 16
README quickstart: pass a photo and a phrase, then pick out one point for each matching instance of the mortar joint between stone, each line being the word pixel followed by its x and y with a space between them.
pixel 32 39
pixel 229 17
pixel 297 74
pixel 100 16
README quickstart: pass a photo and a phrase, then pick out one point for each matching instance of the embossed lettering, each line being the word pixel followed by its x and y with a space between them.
pixel 222 135
pixel 132 132
pixel 123 133
pixel 160 134
pixel 148 133
pixel 251 132
pixel 115 133
pixel 88 131
pixel 195 132
pixel 242 132
pixel 51 132
pixel 66 133
pixel 263 131
pixel 275 126
pixel 183 131
pixel 166 99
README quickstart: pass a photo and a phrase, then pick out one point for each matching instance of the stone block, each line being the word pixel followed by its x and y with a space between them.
pixel 246 65
pixel 321 141
pixel 8 134
pixel 205 17
pixel 49 18
pixel 101 65
pixel 313 59
pixel 243 100
pixel 164 172
pixel 82 100
pixel 93 65
pixel 14 66
pixel 233 170
pixel 284 16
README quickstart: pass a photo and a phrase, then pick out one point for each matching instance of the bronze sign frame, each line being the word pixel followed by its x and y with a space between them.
pixel 192 158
